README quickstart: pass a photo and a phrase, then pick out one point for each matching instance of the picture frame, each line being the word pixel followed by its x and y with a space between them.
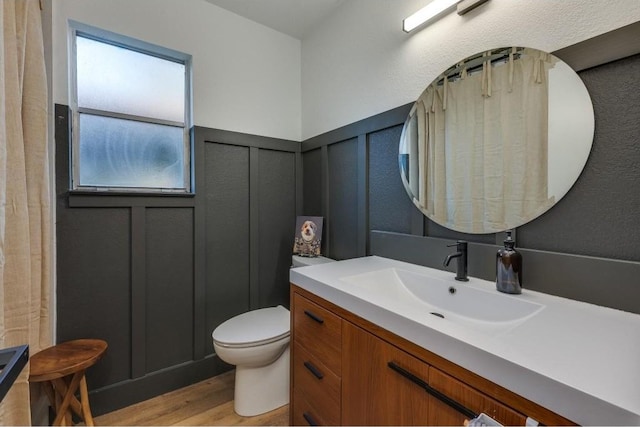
pixel 308 236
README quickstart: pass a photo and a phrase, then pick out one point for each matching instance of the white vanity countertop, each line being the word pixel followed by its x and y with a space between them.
pixel 577 359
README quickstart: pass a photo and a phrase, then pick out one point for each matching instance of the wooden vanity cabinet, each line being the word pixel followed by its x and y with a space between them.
pixel 348 371
pixel 374 394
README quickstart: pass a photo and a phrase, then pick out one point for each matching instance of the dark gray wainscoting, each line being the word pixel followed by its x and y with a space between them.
pixel 585 248
pixel 154 275
pixel 336 181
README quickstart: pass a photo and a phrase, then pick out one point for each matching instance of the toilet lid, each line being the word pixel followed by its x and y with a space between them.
pixel 254 327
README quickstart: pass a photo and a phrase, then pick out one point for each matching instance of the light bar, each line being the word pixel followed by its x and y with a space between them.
pixel 430 11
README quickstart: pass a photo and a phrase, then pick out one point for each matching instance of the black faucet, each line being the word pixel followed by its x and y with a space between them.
pixel 461 254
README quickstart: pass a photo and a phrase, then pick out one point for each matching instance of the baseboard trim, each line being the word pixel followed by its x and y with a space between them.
pixel 126 393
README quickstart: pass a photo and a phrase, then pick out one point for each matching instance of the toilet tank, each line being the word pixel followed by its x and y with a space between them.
pixel 303 261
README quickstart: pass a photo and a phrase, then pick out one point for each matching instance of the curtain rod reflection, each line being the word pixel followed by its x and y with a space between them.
pixel 476 62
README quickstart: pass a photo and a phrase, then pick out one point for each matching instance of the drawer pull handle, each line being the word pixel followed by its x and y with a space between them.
pixel 314 316
pixel 309 419
pixel 432 391
pixel 315 371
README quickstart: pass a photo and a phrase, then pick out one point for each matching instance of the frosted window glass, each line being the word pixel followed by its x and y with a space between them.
pixel 125 153
pixel 111 78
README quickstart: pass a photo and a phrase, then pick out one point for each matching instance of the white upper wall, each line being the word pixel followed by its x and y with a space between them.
pixel 246 77
pixel 360 63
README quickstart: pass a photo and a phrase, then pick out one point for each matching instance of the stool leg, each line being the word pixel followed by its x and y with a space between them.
pixel 84 400
pixel 55 399
pixel 51 394
pixel 64 413
pixel 59 389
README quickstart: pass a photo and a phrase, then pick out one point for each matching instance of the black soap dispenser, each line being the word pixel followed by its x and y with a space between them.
pixel 509 268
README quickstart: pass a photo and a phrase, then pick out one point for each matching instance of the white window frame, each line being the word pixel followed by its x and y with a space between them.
pixel 79 29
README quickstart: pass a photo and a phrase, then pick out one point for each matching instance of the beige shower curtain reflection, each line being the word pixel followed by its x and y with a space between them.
pixel 25 235
pixel 484 156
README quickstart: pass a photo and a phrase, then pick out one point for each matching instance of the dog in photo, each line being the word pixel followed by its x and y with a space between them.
pixel 308 236
pixel 308 231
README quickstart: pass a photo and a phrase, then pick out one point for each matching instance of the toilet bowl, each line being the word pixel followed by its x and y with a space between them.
pixel 257 343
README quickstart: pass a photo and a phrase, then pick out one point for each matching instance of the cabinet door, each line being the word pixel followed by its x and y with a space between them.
pixel 442 414
pixel 372 392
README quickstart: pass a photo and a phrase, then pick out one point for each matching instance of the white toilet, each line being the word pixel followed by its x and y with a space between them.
pixel 257 343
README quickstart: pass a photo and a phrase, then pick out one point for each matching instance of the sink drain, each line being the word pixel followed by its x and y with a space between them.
pixel 437 314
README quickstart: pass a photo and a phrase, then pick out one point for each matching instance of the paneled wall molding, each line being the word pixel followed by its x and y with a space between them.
pixel 221 136
pixel 95 200
pixel 255 145
pixel 138 292
pixel 602 49
pixel 254 228
pixel 153 275
pixel 378 122
pixel 324 195
pixel 200 246
pixel 363 194
pixel 358 131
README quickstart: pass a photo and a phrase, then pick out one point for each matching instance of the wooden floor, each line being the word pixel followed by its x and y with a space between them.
pixel 209 402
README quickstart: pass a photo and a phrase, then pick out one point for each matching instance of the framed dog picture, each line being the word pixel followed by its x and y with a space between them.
pixel 308 236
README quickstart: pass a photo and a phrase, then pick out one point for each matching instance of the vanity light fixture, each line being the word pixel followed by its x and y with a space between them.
pixel 431 11
pixel 436 9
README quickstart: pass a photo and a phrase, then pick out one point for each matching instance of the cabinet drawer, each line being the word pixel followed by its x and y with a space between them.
pixel 471 398
pixel 305 414
pixel 319 331
pixel 319 386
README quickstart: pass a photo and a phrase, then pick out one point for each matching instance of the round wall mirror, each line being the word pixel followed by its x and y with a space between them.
pixel 496 140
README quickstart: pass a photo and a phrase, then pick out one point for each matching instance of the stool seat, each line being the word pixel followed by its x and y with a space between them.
pixel 61 369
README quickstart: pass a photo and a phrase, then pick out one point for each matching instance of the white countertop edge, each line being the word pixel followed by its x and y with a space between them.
pixel 573 404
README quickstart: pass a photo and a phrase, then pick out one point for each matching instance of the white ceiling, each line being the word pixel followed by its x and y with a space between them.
pixel 293 17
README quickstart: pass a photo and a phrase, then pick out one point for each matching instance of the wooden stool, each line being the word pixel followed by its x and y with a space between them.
pixel 61 370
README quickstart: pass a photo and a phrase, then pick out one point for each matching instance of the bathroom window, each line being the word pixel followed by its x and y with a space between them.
pixel 130 103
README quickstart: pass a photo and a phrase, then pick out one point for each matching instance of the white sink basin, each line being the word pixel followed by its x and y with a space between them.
pixel 463 303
